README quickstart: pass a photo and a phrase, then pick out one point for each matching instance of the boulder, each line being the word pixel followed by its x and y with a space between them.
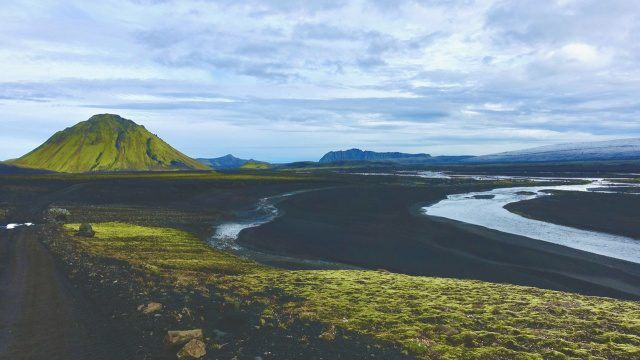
pixel 85 230
pixel 193 350
pixel 152 307
pixel 178 338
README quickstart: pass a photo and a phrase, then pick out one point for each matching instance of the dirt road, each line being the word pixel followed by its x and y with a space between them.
pixel 42 316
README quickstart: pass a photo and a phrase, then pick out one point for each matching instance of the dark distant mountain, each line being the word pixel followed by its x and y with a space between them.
pixel 389 157
pixel 224 162
pixel 625 149
pixel 106 143
pixel 228 162
pixel 357 154
pixel 6 169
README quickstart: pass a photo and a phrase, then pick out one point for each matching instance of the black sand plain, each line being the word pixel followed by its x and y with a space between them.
pixel 380 227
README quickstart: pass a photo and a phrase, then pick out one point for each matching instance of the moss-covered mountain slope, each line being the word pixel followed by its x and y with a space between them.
pixel 107 142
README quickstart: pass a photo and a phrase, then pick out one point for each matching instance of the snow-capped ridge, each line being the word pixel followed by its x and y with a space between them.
pixel 622 149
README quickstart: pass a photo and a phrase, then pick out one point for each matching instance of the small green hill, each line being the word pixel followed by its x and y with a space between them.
pixel 256 165
pixel 107 143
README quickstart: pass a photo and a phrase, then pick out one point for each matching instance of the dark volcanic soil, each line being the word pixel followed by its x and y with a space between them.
pixel 42 315
pixel 604 212
pixel 377 227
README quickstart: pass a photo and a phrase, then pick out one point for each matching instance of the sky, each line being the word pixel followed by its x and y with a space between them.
pixel 289 80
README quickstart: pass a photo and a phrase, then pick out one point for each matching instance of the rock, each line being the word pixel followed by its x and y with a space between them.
pixel 193 350
pixel 219 334
pixel 152 307
pixel 177 338
pixel 233 304
pixel 85 230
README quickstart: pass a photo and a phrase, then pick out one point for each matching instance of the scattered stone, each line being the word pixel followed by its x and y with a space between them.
pixel 152 307
pixel 194 349
pixel 231 305
pixel 177 338
pixel 219 334
pixel 86 230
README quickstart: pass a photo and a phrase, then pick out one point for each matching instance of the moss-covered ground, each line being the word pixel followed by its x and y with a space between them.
pixel 433 318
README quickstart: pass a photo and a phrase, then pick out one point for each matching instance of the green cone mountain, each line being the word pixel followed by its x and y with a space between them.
pixel 106 142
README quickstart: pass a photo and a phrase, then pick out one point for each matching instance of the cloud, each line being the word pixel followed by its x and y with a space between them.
pixel 370 62
pixel 554 22
pixel 324 32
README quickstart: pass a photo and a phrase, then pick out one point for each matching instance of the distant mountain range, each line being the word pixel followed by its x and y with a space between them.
pixel 106 143
pixel 392 157
pixel 625 149
pixel 228 162
pixel 109 142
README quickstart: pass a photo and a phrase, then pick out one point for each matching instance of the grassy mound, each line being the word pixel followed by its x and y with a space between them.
pixel 428 317
pixel 107 143
pixel 256 165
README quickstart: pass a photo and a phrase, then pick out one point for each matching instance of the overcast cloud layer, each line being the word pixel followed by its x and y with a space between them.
pixel 285 80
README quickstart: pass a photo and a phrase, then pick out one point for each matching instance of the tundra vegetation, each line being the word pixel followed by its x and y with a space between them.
pixel 426 317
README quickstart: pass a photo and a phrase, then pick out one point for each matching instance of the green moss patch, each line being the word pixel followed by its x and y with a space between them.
pixel 172 253
pixel 428 317
pixel 463 319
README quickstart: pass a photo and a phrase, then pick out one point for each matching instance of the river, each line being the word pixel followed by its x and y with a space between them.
pixel 487 209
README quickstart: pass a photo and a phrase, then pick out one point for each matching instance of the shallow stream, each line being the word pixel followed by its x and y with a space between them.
pixel 265 211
